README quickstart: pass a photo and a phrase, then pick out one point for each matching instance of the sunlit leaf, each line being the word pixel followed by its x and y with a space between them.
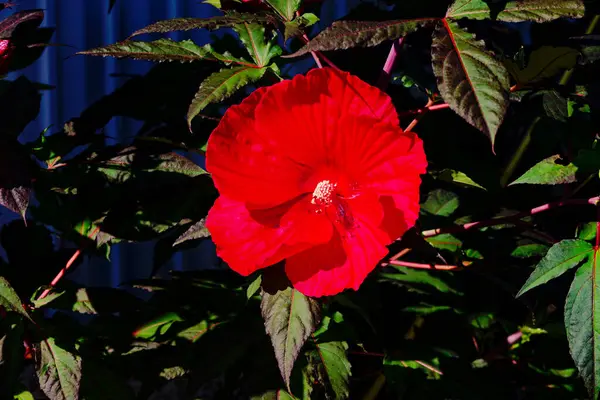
pixel 334 367
pixel 469 78
pixel 260 42
pixel 445 241
pixel 157 327
pixel 583 324
pixel 58 371
pixel 587 231
pixel 290 317
pixel 162 50
pixel 9 299
pixel 529 249
pixel 295 27
pixel 409 277
pixel 221 21
pixel 548 172
pixel 518 10
pixel 285 8
pixel 221 85
pixel 560 258
pixel 196 231
pixel 450 175
pixel 343 35
pixel 254 287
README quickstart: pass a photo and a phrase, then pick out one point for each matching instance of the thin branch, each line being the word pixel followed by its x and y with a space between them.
pixel 69 264
pixel 501 220
pixel 415 121
pixel 386 72
pixel 400 254
pixel 314 54
pixel 327 61
pixel 408 264
pixel 59 276
pixel 425 109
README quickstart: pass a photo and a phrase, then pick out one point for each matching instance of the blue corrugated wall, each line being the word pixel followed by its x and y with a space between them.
pixel 79 81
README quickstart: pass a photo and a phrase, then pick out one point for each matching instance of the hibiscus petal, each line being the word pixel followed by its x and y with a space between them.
pixel 300 116
pixel 247 168
pixel 344 262
pixel 248 240
pixel 340 264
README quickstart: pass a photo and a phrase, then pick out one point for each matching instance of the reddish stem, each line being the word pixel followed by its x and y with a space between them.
pixel 314 54
pixel 408 264
pixel 386 73
pixel 59 276
pixel 597 229
pixel 425 109
pixel 502 220
pixel 415 121
pixel 327 61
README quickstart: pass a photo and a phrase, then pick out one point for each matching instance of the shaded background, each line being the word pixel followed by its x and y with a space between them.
pixel 80 81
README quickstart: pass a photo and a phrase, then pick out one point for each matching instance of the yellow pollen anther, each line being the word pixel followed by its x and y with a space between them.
pixel 323 193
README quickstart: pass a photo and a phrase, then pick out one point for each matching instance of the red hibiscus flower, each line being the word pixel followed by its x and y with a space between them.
pixel 317 172
pixel 6 50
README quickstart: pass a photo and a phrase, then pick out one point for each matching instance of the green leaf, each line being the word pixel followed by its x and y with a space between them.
pixel 587 231
pixel 469 78
pixel 296 27
pixel 195 332
pixel 58 371
pixel 440 202
pixel 162 50
pixel 157 327
pixel 261 48
pixel 343 35
pixel 24 395
pixel 290 317
pixel 196 231
pixel 529 249
pixel 9 299
pixel 518 10
pixel 411 276
pixel 254 287
pixel 451 175
pixel 285 8
pixel 445 241
pixel 544 63
pixel 583 324
pixel 221 21
pixel 334 367
pixel 221 85
pixel 548 172
pixel 561 257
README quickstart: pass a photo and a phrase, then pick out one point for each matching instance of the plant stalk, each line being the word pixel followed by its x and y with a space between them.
pixel 502 220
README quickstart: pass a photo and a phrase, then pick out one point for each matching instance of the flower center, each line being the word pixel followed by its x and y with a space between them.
pixel 323 194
